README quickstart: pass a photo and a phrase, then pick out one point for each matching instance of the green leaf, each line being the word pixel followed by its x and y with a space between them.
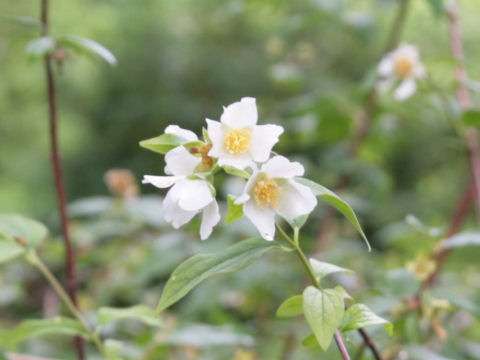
pixel 141 313
pixel 23 20
pixel 205 135
pixel 467 238
pixel 234 211
pixel 322 269
pixel 163 143
pixel 236 172
pixel 471 117
pixel 324 311
pixel 112 348
pixel 200 267
pixel 359 316
pixel 334 200
pixel 293 306
pixel 9 250
pixel 88 46
pixel 298 222
pixel 34 328
pixel 30 231
pixel 310 341
pixel 39 47
pixel 343 293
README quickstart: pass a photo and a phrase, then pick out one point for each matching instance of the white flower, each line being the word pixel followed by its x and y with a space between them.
pixel 273 190
pixel 402 66
pixel 237 140
pixel 187 197
pixel 186 135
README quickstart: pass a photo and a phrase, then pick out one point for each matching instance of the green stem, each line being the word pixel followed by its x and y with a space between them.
pixel 33 259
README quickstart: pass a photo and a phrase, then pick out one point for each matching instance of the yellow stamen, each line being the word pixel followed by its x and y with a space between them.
pixel 237 141
pixel 403 67
pixel 267 193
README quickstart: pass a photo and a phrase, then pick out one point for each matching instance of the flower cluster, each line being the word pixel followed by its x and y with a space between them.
pixel 401 68
pixel 239 146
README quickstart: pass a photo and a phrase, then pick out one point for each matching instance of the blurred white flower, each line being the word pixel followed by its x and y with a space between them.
pixel 273 190
pixel 176 130
pixel 237 140
pixel 187 197
pixel 401 66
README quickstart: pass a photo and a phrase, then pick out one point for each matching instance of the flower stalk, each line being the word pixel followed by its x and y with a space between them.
pixel 58 176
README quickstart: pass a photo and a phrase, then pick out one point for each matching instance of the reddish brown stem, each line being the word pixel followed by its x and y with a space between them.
pixel 341 346
pixel 58 177
pixel 369 342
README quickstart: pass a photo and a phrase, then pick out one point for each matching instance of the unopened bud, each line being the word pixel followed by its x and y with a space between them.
pixel 122 183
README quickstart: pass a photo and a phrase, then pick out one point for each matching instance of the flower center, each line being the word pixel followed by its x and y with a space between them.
pixel 403 67
pixel 267 192
pixel 237 141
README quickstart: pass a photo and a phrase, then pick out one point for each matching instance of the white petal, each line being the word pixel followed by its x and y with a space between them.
pixel 405 90
pixel 161 181
pixel 407 50
pixel 245 196
pixel 281 167
pixel 240 114
pixel 217 136
pixel 385 85
pixel 262 141
pixel 262 217
pixel 178 131
pixel 296 200
pixel 210 218
pixel 386 66
pixel 174 214
pixel 181 162
pixel 191 195
pixel 419 71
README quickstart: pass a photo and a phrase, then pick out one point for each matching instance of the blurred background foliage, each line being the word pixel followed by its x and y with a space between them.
pixel 309 63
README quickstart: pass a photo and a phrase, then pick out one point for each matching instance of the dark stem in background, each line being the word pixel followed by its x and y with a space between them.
pixel 471 135
pixel 58 178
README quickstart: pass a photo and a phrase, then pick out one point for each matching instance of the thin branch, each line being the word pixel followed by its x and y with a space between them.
pixel 341 345
pixel 367 340
pixel 58 177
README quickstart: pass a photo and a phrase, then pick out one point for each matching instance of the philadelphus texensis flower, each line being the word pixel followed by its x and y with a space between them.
pixel 237 140
pixel 401 66
pixel 188 196
pixel 273 190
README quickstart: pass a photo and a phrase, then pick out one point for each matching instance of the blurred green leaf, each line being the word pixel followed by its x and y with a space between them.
pixel 471 117
pixel 23 20
pixel 437 6
pixel 9 250
pixel 39 47
pixel 200 267
pixel 234 211
pixel 112 348
pixel 334 200
pixel 88 46
pixel 292 306
pixel 324 311
pixel 19 227
pixel 141 313
pixel 359 316
pixel 343 292
pixel 163 143
pixel 34 328
pixel 322 269
pixel 467 238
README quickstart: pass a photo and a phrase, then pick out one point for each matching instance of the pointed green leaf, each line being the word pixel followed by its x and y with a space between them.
pixel 34 328
pixel 236 172
pixel 163 143
pixel 23 20
pixel 30 231
pixel 200 267
pixel 141 313
pixel 310 341
pixel 322 269
pixel 359 316
pixel 88 46
pixel 324 311
pixel 343 293
pixel 334 200
pixel 39 47
pixel 234 211
pixel 293 306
